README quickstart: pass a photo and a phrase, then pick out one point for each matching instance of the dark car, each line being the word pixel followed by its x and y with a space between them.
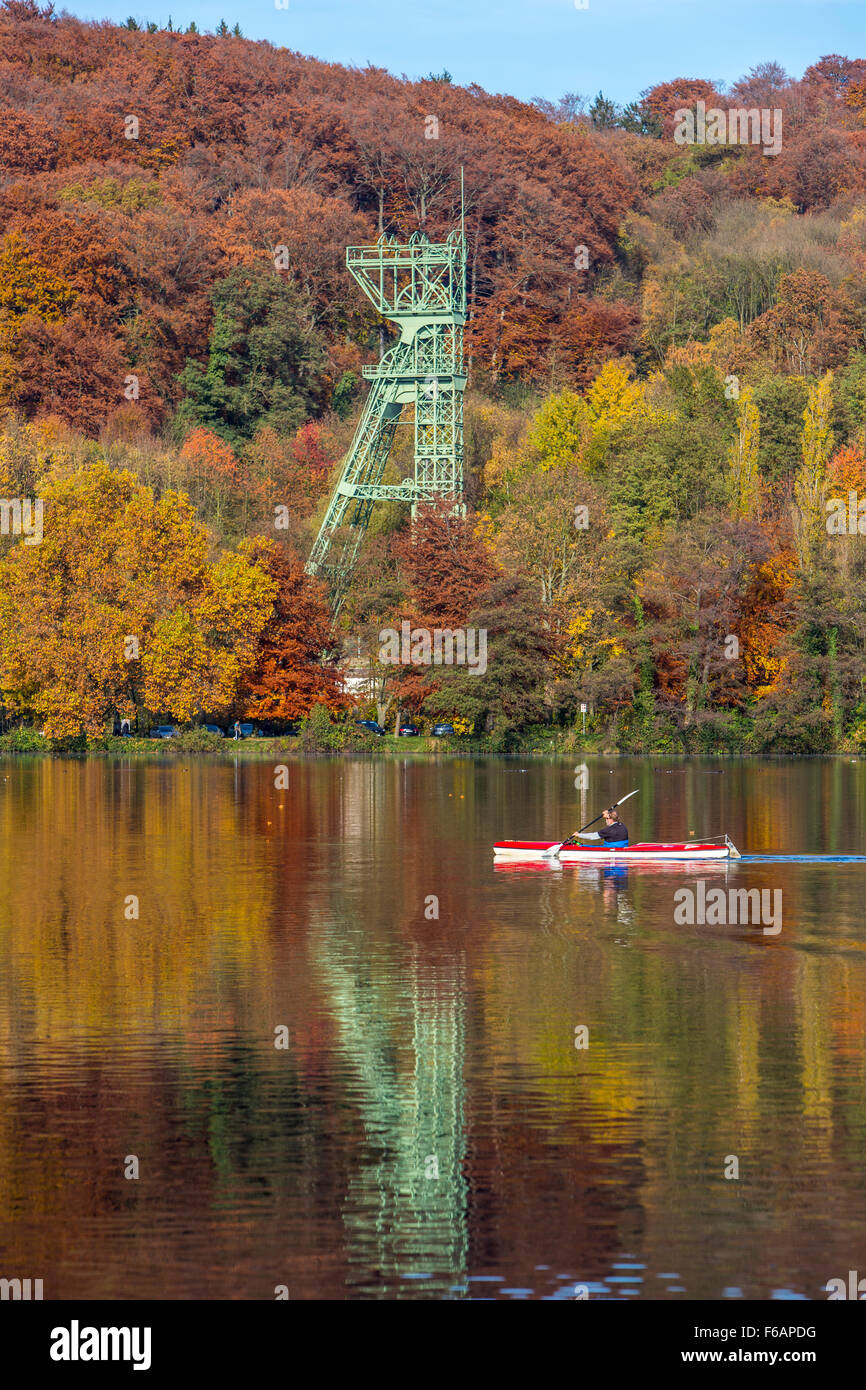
pixel 409 731
pixel 164 731
pixel 442 730
pixel 371 725
pixel 246 731
pixel 214 729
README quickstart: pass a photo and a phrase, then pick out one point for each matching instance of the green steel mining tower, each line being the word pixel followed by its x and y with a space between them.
pixel 421 286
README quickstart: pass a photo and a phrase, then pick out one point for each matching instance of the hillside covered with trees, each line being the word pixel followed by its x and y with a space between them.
pixel 667 358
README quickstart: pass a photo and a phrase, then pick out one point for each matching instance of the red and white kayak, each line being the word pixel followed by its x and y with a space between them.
pixel 533 851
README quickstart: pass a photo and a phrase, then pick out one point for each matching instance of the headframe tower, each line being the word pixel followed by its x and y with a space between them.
pixel 421 286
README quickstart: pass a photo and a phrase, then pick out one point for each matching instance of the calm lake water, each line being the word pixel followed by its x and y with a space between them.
pixel 430 1129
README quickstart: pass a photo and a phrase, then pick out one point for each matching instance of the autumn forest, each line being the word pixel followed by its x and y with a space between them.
pixel 665 417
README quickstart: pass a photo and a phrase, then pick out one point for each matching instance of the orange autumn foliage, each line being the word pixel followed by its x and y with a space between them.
pixel 294 670
pixel 763 621
pixel 846 470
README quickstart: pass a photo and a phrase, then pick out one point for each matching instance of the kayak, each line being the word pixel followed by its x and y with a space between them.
pixel 530 851
pixel 615 869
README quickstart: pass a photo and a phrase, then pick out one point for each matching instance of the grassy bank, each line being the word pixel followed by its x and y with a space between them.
pixel 271 749
pixel 344 740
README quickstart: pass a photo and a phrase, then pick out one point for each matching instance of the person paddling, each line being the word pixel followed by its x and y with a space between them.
pixel 613 832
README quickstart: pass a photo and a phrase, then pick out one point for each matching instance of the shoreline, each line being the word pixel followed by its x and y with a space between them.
pixel 388 748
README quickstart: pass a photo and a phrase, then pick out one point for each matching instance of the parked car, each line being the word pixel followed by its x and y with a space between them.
pixel 409 731
pixel 164 731
pixel 371 725
pixel 214 729
pixel 442 730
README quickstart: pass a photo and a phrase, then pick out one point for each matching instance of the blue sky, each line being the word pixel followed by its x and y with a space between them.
pixel 535 47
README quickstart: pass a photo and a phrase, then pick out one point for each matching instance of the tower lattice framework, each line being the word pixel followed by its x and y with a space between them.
pixel 420 286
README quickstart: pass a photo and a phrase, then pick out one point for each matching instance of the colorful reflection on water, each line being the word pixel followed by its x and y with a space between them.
pixel 430 1127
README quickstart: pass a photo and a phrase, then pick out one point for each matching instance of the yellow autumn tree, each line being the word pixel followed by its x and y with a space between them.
pixel 120 606
pixel 26 287
pixel 816 446
pixel 560 429
pixel 615 399
pixel 569 427
pixel 743 478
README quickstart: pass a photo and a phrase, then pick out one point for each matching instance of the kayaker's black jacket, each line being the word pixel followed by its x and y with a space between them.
pixel 614 832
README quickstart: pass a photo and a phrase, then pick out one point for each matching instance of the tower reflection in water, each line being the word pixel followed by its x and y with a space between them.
pixel 402 1036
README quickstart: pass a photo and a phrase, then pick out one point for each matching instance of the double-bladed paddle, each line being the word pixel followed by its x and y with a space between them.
pixel 553 852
